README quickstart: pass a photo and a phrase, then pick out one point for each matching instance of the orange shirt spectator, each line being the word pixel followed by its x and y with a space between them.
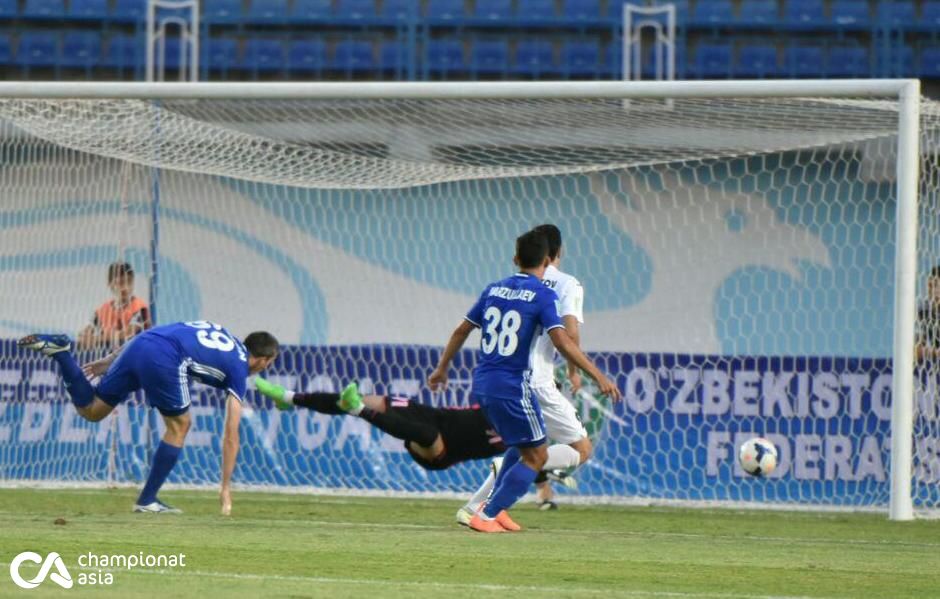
pixel 118 319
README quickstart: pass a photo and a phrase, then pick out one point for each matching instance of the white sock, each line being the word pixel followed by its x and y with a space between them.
pixel 482 493
pixel 562 457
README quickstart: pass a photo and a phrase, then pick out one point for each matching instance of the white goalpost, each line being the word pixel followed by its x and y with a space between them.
pixel 741 247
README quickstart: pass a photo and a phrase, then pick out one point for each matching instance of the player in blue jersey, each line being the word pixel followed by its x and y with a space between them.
pixel 512 313
pixel 161 361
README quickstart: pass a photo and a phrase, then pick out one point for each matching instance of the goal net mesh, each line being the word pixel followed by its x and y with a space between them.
pixel 737 257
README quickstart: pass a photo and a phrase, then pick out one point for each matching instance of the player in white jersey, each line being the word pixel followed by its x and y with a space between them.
pixel 571 444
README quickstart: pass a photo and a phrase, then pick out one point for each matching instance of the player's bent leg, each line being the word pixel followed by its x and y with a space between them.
pixel 585 449
pixel 58 348
pixel 164 459
pixel 429 453
pixel 96 411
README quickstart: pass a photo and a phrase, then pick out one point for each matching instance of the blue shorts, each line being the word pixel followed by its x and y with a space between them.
pixel 153 364
pixel 518 421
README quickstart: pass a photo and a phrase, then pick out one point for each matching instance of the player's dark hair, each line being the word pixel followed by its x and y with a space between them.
pixel 119 269
pixel 261 344
pixel 553 236
pixel 531 249
pixel 935 272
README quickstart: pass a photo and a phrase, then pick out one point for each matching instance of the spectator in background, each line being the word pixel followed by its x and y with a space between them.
pixel 118 319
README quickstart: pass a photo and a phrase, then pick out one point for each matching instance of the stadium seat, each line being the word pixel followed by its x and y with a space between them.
pixel 263 55
pixel 400 10
pixel 713 12
pixel 804 12
pixel 38 48
pixel 758 12
pixel 8 9
pixel 123 51
pixel 445 10
pixel 172 54
pixel 805 61
pixel 44 9
pixel 930 63
pixel 354 55
pixel 445 56
pixel 850 12
pixel 81 49
pixel 221 54
pixel 267 11
pixel 88 9
pixel 131 11
pixel 848 61
pixel 306 56
pixel 757 61
pixel 534 58
pixel 649 63
pixel 392 56
pixel 535 10
pixel 222 11
pixel 581 11
pixel 580 58
pixel 896 13
pixel 492 10
pixel 930 14
pixel 900 63
pixel 611 60
pixel 6 49
pixel 356 10
pixel 713 60
pixel 311 10
pixel 489 57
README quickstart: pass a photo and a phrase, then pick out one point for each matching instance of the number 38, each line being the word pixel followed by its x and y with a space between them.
pixel 500 331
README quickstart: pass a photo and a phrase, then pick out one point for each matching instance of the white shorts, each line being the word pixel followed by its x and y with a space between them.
pixel 561 420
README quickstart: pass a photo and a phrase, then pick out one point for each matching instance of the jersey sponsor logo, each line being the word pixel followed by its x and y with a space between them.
pixel 525 295
pixel 61 576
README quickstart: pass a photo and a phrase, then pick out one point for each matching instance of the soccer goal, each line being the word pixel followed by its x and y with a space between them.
pixel 756 258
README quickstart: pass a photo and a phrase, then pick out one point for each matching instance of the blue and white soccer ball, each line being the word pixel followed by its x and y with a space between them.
pixel 758 456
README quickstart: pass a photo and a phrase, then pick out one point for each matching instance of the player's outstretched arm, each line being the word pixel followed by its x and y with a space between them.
pixel 572 353
pixel 438 379
pixel 230 444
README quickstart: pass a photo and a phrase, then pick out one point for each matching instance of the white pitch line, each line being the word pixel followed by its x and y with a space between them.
pixel 182 573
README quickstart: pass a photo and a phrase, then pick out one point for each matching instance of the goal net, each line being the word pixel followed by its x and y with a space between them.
pixel 737 255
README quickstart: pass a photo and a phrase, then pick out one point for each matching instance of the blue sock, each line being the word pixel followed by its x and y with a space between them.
pixel 510 458
pixel 514 485
pixel 163 461
pixel 76 384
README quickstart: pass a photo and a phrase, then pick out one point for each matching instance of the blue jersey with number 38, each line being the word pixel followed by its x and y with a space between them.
pixel 210 353
pixel 511 314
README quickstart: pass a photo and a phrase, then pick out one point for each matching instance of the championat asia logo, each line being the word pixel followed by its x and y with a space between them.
pixel 61 576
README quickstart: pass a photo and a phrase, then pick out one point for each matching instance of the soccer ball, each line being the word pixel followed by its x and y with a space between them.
pixel 758 456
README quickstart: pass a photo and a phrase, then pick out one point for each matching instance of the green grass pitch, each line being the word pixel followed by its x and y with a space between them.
pixel 312 546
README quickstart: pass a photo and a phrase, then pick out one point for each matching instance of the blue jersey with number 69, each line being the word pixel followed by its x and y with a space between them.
pixel 209 353
pixel 511 314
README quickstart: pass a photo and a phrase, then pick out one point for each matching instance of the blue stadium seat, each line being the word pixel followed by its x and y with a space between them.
pixel 900 62
pixel 124 52
pixel 757 61
pixel 534 57
pixel 306 56
pixel 611 60
pixel 758 12
pixel 88 9
pixel 489 57
pixel 445 10
pixel 896 13
pixel 267 11
pixel 356 10
pixel 580 58
pixel 44 9
pixel 581 11
pixel 535 10
pixel 221 53
pixel 492 10
pixel 8 9
pixel 848 61
pixel 713 60
pixel 172 54
pixel 930 63
pixel 354 55
pixel 713 12
pixel 445 56
pixel 400 10
pixel 804 12
pixel 131 11
pixel 850 12
pixel 81 49
pixel 6 49
pixel 263 55
pixel 311 10
pixel 930 13
pixel 38 48
pixel 222 11
pixel 805 61
pixel 649 64
pixel 392 56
